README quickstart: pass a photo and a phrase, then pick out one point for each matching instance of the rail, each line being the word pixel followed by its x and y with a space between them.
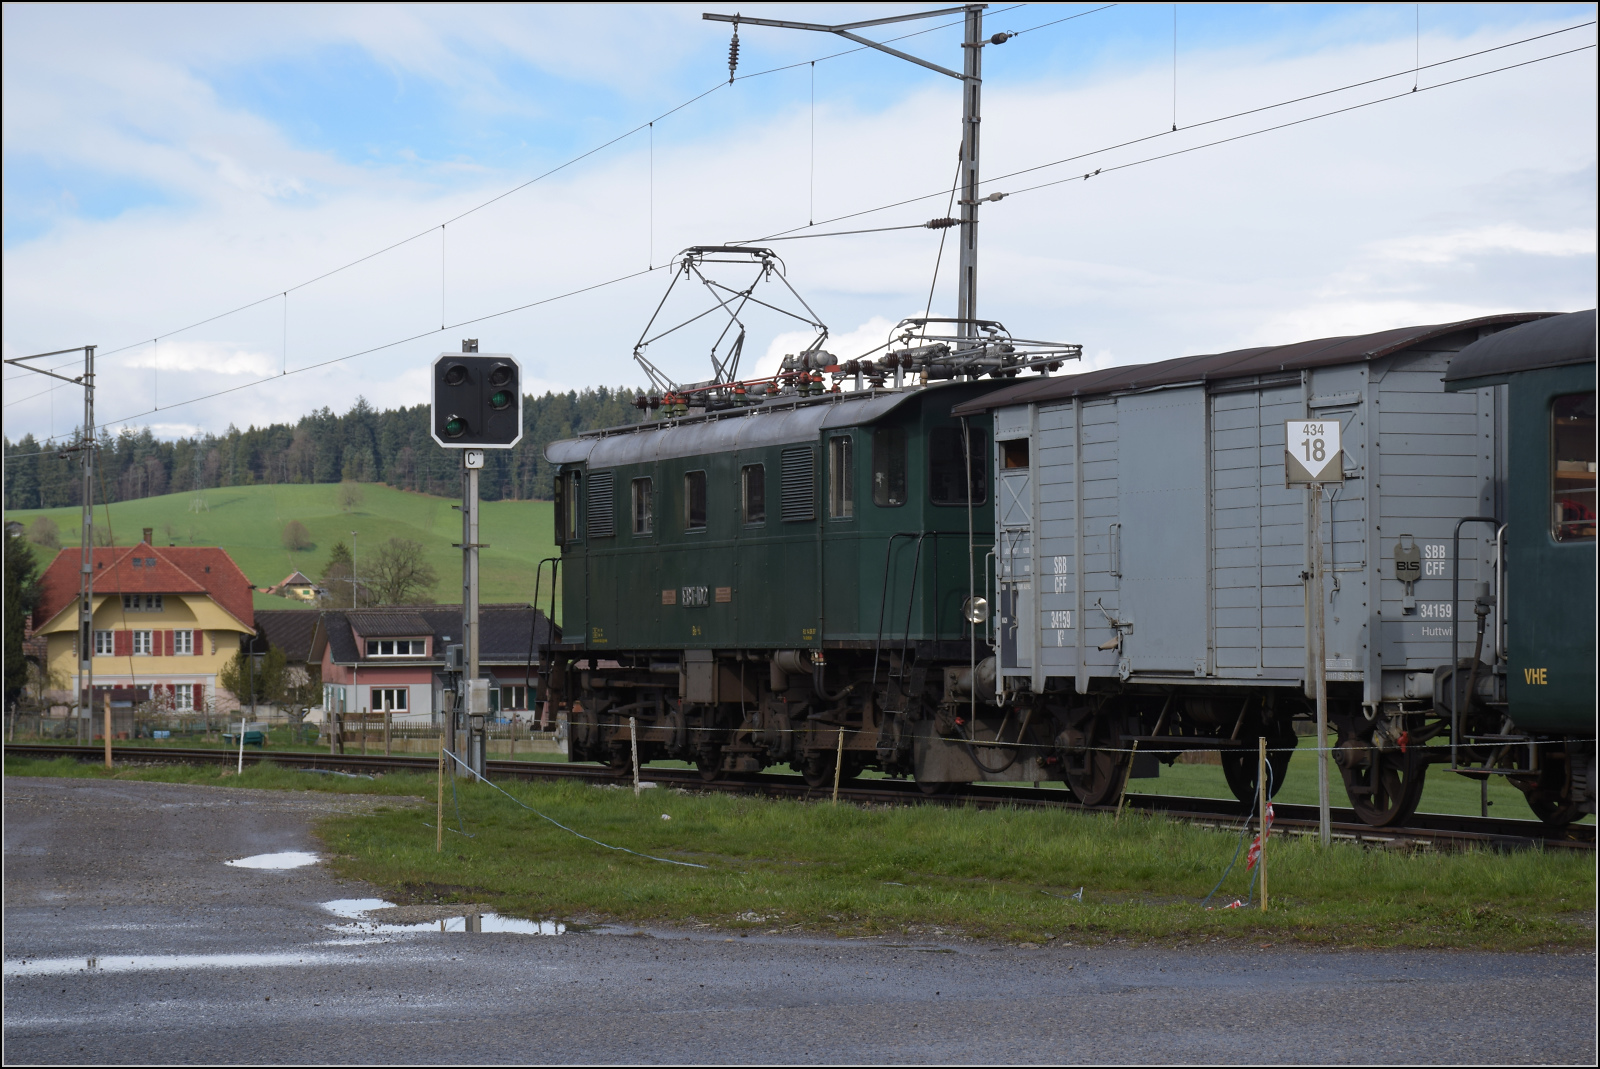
pixel 1440 830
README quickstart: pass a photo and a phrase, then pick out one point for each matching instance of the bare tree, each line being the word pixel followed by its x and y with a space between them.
pixel 400 575
pixel 296 539
pixel 44 532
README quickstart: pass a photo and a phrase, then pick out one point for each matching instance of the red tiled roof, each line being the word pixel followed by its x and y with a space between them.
pixel 177 570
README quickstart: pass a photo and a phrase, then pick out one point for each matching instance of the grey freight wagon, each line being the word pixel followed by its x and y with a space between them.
pixel 1152 570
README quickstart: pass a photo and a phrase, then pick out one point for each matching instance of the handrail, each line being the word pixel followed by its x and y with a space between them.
pixel 1455 634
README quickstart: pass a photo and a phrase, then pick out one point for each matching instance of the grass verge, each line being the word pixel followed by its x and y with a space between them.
pixel 917 871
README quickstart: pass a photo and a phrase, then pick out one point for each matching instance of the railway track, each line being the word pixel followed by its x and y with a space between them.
pixel 1436 829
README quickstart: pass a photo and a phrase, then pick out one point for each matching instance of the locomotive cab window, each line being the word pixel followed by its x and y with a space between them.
pixel 953 477
pixel 1572 468
pixel 841 478
pixel 753 494
pixel 694 501
pixel 888 467
pixel 644 517
pixel 1014 454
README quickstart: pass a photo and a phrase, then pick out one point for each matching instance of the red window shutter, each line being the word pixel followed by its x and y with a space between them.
pixel 196 643
pixel 172 643
pixel 158 644
pixel 199 694
pixel 122 643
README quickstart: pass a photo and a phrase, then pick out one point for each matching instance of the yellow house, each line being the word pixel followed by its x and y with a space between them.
pixel 165 622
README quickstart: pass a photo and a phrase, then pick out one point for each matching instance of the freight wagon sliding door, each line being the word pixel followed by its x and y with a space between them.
pixel 1161 550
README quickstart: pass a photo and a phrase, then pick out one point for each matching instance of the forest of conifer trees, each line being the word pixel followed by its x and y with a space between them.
pixel 364 445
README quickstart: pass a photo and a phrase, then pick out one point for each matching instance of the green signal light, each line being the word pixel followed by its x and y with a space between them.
pixel 500 399
pixel 455 427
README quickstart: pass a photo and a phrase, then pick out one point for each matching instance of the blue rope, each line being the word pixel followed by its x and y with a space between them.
pixel 563 827
pixel 1243 834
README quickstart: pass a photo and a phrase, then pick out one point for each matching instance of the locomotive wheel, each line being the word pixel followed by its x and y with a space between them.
pixel 708 760
pixel 584 728
pixel 1550 794
pixel 1384 786
pixel 816 768
pixel 1239 766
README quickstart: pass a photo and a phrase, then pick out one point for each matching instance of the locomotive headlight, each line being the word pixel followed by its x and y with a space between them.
pixel 976 610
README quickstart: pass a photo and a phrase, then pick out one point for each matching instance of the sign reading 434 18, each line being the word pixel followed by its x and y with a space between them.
pixel 1311 452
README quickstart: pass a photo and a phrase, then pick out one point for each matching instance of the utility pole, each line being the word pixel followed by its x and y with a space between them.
pixel 84 705
pixel 476 705
pixel 971 78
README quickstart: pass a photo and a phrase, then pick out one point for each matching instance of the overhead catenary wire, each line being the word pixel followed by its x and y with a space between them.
pixel 1195 126
pixel 647 125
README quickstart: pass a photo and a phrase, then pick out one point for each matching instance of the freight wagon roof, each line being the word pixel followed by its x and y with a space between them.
pixel 1240 363
pixel 718 432
pixel 1553 342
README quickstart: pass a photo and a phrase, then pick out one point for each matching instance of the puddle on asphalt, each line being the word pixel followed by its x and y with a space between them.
pixel 356 910
pixel 156 962
pixel 288 859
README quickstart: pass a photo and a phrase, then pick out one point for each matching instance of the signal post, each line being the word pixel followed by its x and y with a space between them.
pixel 477 406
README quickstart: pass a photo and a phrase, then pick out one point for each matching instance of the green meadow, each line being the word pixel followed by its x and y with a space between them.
pixel 248 522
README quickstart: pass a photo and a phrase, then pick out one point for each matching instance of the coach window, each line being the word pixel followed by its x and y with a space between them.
pixel 889 467
pixel 694 501
pixel 1572 468
pixel 643 506
pixel 753 494
pixel 953 477
pixel 841 478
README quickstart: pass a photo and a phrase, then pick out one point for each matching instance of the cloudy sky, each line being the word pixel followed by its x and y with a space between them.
pixel 166 165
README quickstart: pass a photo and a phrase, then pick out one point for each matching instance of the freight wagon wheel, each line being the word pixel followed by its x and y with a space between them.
pixel 1239 767
pixel 1384 786
pixel 1095 775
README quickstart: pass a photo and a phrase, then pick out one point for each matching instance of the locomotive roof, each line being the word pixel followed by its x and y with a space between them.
pixel 785 423
pixel 1240 363
pixel 1554 342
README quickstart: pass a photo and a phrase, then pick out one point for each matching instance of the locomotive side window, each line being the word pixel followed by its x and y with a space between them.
pixel 694 501
pixel 949 467
pixel 566 488
pixel 888 467
pixel 1572 468
pixel 644 517
pixel 753 493
pixel 841 478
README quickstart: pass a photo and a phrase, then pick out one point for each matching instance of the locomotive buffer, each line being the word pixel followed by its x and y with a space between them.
pixel 477 405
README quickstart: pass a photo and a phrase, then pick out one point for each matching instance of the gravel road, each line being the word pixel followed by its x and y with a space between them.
pixel 128 939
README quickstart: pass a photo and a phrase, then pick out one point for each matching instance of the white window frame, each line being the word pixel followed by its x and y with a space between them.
pixel 415 647
pixel 183 697
pixel 105 643
pixel 143 643
pixel 384 698
pixel 142 602
pixel 183 643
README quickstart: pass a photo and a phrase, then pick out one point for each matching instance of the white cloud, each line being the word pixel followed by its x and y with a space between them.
pixel 1452 203
pixel 1500 238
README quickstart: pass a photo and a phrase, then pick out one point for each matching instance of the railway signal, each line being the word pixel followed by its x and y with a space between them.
pixel 477 400
pixel 477 405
